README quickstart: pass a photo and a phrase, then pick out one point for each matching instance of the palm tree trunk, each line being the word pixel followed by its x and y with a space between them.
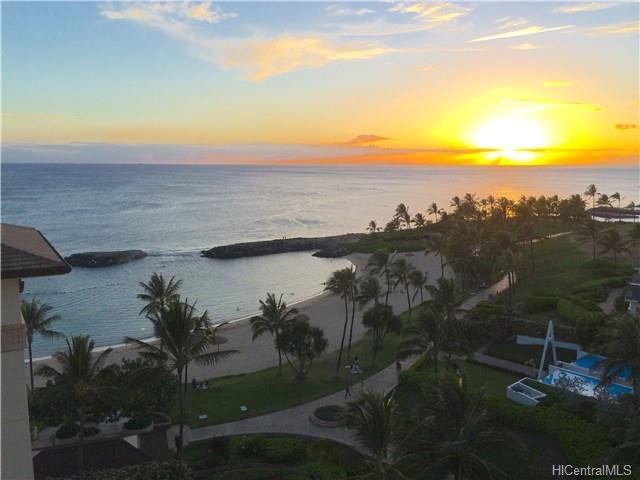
pixel 353 314
pixel 344 333
pixel 81 441
pixel 406 288
pixel 277 333
pixel 186 377
pixel 31 366
pixel 181 420
pixel 441 266
pixel 386 300
pixel 533 263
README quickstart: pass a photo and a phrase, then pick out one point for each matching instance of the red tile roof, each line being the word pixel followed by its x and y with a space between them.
pixel 25 252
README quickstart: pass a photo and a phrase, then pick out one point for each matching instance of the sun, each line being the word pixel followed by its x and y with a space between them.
pixel 511 137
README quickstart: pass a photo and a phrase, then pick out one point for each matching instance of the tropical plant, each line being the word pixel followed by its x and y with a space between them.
pixel 435 211
pixel 401 270
pixel 419 220
pixel 402 215
pixel 187 339
pixel 379 264
pixel 621 342
pixel 604 200
pixel 275 315
pixel 418 280
pixel 372 418
pixel 343 282
pixel 452 433
pixel 634 239
pixel 437 244
pixel 373 227
pixel 157 293
pixel 424 336
pixel 444 298
pixel 380 320
pixel 369 289
pixel 37 320
pixel 611 241
pixel 79 374
pixel 591 191
pixel 300 340
pixel 590 231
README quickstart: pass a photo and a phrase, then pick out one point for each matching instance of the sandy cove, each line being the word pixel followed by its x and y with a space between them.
pixel 325 311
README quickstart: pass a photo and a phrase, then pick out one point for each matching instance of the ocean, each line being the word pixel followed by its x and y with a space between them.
pixel 174 212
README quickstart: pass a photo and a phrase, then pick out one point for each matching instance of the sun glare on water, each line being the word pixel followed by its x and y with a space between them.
pixel 511 138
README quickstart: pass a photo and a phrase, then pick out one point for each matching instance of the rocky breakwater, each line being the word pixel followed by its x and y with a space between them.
pixel 326 247
pixel 104 259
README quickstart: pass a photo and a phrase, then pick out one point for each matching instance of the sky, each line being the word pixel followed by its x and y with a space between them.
pixel 388 82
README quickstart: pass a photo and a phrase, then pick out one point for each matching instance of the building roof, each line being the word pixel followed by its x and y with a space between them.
pixel 632 294
pixel 25 252
pixel 62 461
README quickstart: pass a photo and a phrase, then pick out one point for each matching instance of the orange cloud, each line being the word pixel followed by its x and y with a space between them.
pixel 369 140
pixel 626 126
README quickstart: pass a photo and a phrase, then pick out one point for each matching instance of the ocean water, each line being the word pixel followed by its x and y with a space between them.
pixel 174 212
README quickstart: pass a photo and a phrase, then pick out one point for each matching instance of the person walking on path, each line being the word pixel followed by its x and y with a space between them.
pixel 347 391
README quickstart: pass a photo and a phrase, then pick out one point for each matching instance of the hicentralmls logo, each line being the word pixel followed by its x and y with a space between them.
pixel 599 471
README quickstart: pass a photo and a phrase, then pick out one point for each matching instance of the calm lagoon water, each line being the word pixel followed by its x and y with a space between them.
pixel 174 212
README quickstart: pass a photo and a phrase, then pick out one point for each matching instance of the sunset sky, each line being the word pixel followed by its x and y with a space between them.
pixel 454 83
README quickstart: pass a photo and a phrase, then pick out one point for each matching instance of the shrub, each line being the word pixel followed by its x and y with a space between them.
pixel 247 447
pixel 91 431
pixel 536 304
pixel 588 327
pixel 607 282
pixel 68 430
pixel 145 471
pixel 569 312
pixel 583 443
pixel 563 333
pixel 603 268
pixel 138 422
pixel 328 413
pixel 285 450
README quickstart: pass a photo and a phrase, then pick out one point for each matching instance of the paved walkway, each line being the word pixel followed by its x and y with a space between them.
pixel 295 420
pixel 609 305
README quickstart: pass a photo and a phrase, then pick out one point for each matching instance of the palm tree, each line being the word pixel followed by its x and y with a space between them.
pixel 590 231
pixel 380 264
pixel 616 196
pixel 424 337
pixel 437 244
pixel 434 210
pixel 37 320
pixel 401 270
pixel 79 376
pixel 444 298
pixel 302 341
pixel 343 282
pixel 368 290
pixel 604 200
pixel 157 293
pixel 453 433
pixel 380 320
pixel 634 239
pixel 622 345
pixel 418 280
pixel 591 191
pixel 275 315
pixel 186 338
pixel 611 241
pixel 402 215
pixel 373 226
pixel 419 220
pixel 372 418
pixel 632 206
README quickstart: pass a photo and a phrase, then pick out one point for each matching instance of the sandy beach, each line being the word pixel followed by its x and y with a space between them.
pixel 325 311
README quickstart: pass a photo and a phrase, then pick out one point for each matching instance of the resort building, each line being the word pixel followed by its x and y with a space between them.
pixel 25 252
pixel 632 293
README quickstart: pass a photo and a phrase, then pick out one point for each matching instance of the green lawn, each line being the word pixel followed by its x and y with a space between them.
pixel 264 391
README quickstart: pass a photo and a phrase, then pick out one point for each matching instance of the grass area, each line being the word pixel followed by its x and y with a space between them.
pixel 524 353
pixel 412 240
pixel 264 391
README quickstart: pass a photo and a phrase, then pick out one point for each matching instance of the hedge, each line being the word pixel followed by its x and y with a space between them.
pixel 569 312
pixel 583 443
pixel 563 333
pixel 607 282
pixel 536 304
pixel 267 449
pixel 145 471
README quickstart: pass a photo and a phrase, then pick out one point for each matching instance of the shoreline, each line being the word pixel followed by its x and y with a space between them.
pixel 231 324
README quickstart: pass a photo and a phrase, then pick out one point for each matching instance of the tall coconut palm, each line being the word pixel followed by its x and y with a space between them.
pixel 434 210
pixel 373 226
pixel 452 434
pixel 275 316
pixel 444 298
pixel 419 220
pixel 380 320
pixel 604 200
pixel 622 345
pixel 591 191
pixel 343 283
pixel 401 271
pixel 590 231
pixel 612 241
pixel 424 337
pixel 616 196
pixel 157 293
pixel 369 290
pixel 37 320
pixel 634 240
pixel 402 215
pixel 186 339
pixel 302 341
pixel 380 264
pixel 373 418
pixel 78 373
pixel 418 280
pixel 437 244
pixel 632 207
